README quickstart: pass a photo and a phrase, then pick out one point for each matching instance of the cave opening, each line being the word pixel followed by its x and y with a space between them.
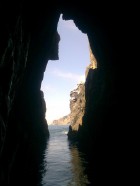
pixel 64 75
pixel 63 87
pixel 27 31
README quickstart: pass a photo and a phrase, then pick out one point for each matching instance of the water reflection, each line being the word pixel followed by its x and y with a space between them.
pixel 63 165
pixel 78 167
pixel 44 167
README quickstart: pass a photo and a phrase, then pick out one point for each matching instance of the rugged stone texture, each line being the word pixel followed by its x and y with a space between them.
pixel 77 107
pixel 26 44
pixel 77 102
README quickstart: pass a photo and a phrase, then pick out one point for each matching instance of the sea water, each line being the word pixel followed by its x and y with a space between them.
pixel 63 163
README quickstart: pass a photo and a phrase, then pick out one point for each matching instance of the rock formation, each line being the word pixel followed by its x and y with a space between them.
pixel 24 52
pixel 78 102
pixel 27 36
pixel 77 107
pixel 65 120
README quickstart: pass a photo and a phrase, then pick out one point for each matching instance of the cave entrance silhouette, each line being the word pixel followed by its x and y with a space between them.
pixel 64 75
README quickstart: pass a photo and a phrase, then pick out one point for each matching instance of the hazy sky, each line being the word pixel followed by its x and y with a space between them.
pixel 62 76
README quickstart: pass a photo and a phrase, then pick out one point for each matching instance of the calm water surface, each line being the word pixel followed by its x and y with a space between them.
pixel 63 164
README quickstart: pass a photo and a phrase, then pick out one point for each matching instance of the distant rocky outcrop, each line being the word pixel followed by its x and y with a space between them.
pixel 77 105
pixel 65 120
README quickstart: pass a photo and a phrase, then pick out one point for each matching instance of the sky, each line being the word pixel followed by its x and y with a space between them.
pixel 63 75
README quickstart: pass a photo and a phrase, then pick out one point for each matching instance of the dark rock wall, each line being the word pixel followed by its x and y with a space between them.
pixel 28 39
pixel 104 135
